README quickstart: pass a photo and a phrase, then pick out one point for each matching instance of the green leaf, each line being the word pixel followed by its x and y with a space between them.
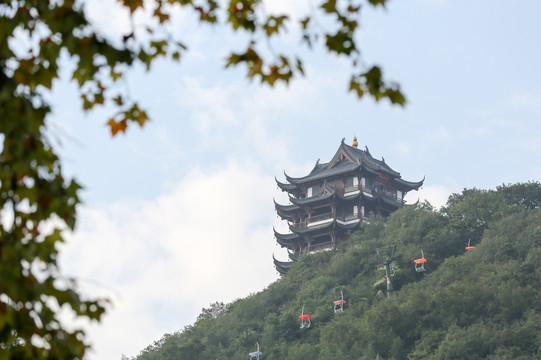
pixel 329 6
pixel 132 5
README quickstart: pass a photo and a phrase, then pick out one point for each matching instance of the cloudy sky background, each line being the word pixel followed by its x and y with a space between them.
pixel 180 214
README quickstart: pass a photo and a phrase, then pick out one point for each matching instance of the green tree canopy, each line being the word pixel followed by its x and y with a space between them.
pixel 38 203
pixel 478 304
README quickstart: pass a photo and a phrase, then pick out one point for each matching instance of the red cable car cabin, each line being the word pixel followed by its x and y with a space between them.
pixel 469 247
pixel 420 263
pixel 339 304
pixel 305 321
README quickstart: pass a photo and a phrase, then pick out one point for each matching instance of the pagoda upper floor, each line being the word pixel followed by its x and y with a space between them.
pixel 335 197
pixel 350 172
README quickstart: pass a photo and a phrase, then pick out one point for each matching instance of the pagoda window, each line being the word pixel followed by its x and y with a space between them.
pixel 379 187
pixel 362 211
pixel 322 210
pixel 321 242
pixel 355 210
pixel 363 182
pixel 399 195
pixel 312 190
pixel 351 183
pixel 320 214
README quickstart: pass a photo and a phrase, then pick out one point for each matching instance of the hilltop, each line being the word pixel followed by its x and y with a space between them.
pixel 479 304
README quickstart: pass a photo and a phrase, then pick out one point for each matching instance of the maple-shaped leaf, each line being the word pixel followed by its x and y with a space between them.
pixel 117 126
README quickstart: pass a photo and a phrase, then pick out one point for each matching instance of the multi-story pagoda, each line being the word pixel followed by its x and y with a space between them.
pixel 334 198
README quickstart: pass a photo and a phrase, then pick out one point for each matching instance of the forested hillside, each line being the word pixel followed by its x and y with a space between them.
pixel 479 304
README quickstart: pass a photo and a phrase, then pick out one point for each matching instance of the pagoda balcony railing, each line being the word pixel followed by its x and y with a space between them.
pixel 368 190
pixel 387 194
pixel 392 196
pixel 322 217
pixel 313 219
pixel 348 217
pixel 320 246
pixel 357 187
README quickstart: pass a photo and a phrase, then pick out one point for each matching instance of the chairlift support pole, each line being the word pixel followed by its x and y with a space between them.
pixel 388 276
pixel 387 261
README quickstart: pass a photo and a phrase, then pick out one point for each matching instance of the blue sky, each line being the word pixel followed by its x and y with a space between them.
pixel 180 214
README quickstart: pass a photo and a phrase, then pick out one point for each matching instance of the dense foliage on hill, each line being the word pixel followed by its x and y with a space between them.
pixel 478 304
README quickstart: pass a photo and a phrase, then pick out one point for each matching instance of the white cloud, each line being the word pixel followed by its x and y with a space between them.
pixel 113 20
pixel 530 101
pixel 208 239
pixel 477 132
pixel 440 135
pixel 436 195
pixel 430 2
pixel 403 148
pixel 294 9
pixel 212 106
pixel 109 16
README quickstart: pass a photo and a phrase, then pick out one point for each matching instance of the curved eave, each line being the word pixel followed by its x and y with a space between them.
pixel 282 263
pixel 342 169
pixel 410 185
pixel 348 226
pixel 324 173
pixel 286 244
pixel 286 240
pixel 345 197
pixel 369 169
pixel 284 215
pixel 383 167
pixel 390 201
pixel 318 167
pixel 285 208
pixel 366 157
pixel 293 256
pixel 302 180
pixel 371 199
pixel 286 187
pixel 308 229
pixel 312 199
pixel 285 237
pixel 282 266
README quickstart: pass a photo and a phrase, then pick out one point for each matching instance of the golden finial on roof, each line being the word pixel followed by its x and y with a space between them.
pixel 355 143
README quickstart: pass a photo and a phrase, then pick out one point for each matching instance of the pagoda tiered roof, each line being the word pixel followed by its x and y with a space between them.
pixel 324 171
pixel 297 231
pixel 286 240
pixel 286 208
pixel 309 229
pixel 348 159
pixel 282 266
pixel 285 186
pixel 366 158
pixel 410 185
pixel 349 196
pixel 334 198
pixel 312 199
